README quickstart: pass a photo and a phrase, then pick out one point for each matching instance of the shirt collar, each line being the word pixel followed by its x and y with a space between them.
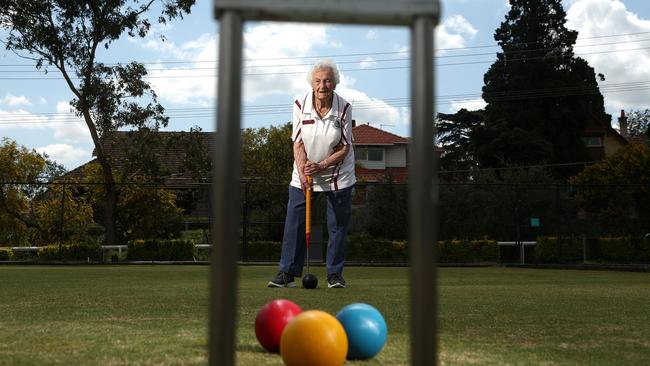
pixel 336 104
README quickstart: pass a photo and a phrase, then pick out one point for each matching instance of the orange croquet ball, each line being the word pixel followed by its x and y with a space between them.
pixel 314 338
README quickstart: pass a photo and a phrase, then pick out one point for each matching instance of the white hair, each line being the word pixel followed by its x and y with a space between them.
pixel 325 64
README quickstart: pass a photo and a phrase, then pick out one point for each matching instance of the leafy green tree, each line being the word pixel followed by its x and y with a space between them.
pixel 386 210
pixel 149 212
pixel 23 174
pixel 267 164
pixel 539 95
pixel 638 123
pixel 146 210
pixel 455 135
pixel 267 154
pixel 63 215
pixel 67 36
pixel 497 203
pixel 616 192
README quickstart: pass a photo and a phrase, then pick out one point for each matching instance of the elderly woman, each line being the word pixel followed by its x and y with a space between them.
pixel 322 149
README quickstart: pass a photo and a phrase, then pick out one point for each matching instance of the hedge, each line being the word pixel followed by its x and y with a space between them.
pixel 160 250
pixel 602 250
pixel 559 249
pixel 71 252
pixel 365 248
pixel 5 254
pixel 466 251
pixel 263 250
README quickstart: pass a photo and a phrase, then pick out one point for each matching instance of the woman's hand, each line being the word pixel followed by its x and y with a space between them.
pixel 303 181
pixel 313 168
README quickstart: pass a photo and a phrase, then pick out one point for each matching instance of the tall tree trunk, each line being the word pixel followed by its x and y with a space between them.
pixel 110 206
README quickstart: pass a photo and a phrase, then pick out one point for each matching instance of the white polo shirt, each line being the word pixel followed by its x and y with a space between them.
pixel 320 136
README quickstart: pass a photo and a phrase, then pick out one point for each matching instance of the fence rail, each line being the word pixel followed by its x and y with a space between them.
pixel 36 214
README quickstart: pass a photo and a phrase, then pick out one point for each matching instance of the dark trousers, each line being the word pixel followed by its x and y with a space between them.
pixel 339 212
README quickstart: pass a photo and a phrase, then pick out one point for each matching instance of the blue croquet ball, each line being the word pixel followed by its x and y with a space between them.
pixel 365 328
pixel 310 281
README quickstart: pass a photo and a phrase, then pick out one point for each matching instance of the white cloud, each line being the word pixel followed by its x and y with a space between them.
pixel 454 33
pixel 193 83
pixel 15 101
pixel 368 62
pixel 67 126
pixel 367 109
pixel 64 125
pixel 469 104
pixel 275 64
pixel 278 51
pixel 65 154
pixel 21 119
pixel 598 18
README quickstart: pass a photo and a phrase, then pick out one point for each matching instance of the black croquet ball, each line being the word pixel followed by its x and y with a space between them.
pixel 309 281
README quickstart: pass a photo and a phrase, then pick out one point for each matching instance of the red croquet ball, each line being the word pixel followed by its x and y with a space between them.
pixel 271 320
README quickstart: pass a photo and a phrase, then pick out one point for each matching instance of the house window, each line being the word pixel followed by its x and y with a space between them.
pixel 596 141
pixel 369 153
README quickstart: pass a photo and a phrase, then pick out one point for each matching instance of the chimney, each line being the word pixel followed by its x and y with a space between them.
pixel 622 124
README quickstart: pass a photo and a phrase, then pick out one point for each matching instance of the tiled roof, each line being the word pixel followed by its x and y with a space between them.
pixel 368 135
pixel 170 147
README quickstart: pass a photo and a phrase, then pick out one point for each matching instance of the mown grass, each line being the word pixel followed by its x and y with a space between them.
pixel 157 315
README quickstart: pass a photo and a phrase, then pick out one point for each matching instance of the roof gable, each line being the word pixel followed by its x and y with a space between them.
pixel 368 135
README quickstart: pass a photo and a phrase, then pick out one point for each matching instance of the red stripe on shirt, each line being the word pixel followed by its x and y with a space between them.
pixel 298 104
pixel 345 110
pixel 337 171
pixel 297 135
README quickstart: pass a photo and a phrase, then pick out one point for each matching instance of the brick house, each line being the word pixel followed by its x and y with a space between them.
pixel 379 154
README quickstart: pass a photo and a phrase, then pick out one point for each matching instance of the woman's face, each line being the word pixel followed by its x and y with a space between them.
pixel 322 82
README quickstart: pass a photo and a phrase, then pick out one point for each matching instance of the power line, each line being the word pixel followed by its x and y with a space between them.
pixel 388 52
pixel 284 109
pixel 360 61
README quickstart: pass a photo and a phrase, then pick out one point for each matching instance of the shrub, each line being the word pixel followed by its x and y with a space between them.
pixel 71 252
pixel 263 250
pixel 558 249
pixel 487 250
pixel 160 250
pixel 5 254
pixel 616 249
pixel 464 251
pixel 365 248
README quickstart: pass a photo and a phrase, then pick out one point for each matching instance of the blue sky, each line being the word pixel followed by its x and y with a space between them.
pixel 614 37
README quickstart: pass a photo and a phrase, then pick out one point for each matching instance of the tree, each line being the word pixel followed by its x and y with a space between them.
pixel 66 35
pixel 539 95
pixel 267 165
pixel 455 134
pixel 267 153
pixel 497 204
pixel 23 173
pixel 616 192
pixel 638 123
pixel 63 215
pixel 146 210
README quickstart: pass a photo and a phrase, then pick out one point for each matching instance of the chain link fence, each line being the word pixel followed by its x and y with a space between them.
pixel 514 215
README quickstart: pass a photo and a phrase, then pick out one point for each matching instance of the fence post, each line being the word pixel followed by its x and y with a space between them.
pixel 245 224
pixel 226 172
pixel 62 218
pixel 584 248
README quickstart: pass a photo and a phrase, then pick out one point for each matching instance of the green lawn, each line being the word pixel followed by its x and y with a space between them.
pixel 157 315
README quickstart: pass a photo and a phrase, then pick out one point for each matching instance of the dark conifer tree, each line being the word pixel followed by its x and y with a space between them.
pixel 540 96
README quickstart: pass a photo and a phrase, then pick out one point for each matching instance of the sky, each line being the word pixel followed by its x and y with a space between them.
pixel 181 58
